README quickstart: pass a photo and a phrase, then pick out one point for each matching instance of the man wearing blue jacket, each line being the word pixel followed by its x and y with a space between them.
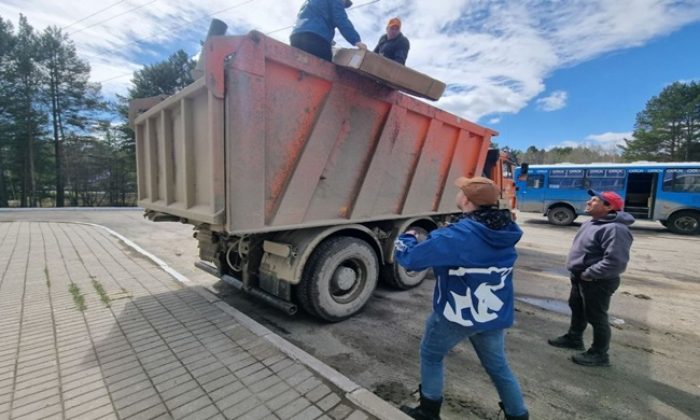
pixel 315 27
pixel 473 298
pixel 598 256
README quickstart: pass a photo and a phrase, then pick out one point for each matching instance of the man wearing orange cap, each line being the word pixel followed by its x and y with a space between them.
pixel 393 45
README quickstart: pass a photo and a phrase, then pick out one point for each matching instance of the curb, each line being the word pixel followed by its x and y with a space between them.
pixel 360 396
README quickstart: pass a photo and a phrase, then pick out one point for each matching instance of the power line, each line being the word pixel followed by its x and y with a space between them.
pixel 96 13
pixel 113 17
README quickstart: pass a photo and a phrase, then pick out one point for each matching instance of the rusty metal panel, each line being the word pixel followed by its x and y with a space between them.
pixel 180 155
pixel 286 141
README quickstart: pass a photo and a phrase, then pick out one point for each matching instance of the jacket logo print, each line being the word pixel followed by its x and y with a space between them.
pixel 487 304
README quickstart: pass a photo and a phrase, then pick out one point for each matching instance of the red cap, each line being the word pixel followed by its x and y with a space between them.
pixel 610 198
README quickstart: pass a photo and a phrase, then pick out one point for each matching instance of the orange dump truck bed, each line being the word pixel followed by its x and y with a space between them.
pixel 272 138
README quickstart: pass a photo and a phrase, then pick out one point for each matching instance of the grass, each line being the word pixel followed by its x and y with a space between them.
pixel 78 297
pixel 48 279
pixel 104 297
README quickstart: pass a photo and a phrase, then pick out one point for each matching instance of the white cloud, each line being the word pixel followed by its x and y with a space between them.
pixel 606 141
pixel 494 55
pixel 556 100
pixel 495 120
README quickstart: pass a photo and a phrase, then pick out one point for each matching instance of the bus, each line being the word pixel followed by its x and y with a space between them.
pixel 667 192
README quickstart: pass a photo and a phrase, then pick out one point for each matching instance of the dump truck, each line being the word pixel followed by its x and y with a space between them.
pixel 298 174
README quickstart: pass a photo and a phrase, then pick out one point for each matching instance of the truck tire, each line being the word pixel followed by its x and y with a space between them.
pixel 398 277
pixel 338 279
pixel 561 216
pixel 684 223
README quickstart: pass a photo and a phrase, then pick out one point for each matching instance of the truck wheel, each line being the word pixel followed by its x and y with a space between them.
pixel 339 278
pixel 684 223
pixel 398 277
pixel 561 216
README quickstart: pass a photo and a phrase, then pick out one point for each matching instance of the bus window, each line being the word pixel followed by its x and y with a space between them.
pixel 682 180
pixel 535 181
pixel 605 179
pixel 566 178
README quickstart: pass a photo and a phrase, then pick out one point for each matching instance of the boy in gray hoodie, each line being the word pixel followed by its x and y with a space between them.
pixel 598 256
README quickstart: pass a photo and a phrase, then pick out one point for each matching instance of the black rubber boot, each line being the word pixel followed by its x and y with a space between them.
pixel 591 358
pixel 525 416
pixel 427 410
pixel 567 341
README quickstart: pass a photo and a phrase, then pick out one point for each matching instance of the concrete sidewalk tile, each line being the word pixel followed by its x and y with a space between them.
pixel 294 407
pixel 133 398
pixel 29 388
pixel 310 413
pixel 97 394
pixel 256 377
pixel 281 365
pixel 138 387
pixel 29 399
pixel 149 413
pixel 340 412
pixel 174 382
pixel 273 391
pixel 80 382
pixel 180 389
pixel 154 369
pixel 117 368
pixel 318 393
pixel 283 399
pixel 202 413
pixel 238 410
pixel 130 381
pixel 307 385
pixel 41 413
pixel 124 374
pixel 299 377
pixel 189 407
pixel 171 378
pixel 205 373
pixel 258 413
pixel 47 405
pixel 82 389
pixel 224 380
pixel 357 415
pixel 224 399
pixel 264 383
pixel 328 402
pixel 141 406
pixel 237 363
pixel 105 412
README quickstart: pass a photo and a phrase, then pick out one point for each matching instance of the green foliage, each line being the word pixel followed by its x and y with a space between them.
pixel 668 129
pixel 580 154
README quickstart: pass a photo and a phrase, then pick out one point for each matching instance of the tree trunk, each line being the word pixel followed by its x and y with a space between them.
pixel 55 114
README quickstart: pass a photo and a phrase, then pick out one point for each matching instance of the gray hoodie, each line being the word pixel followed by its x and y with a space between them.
pixel 601 247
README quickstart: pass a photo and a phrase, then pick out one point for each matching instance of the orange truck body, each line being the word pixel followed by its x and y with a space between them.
pixel 273 139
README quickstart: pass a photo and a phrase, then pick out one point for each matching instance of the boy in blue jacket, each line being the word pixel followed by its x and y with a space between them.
pixel 473 299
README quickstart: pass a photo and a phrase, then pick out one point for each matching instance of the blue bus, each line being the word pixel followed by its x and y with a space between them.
pixel 667 192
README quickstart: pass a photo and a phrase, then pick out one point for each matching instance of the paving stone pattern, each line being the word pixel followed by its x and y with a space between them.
pixel 140 345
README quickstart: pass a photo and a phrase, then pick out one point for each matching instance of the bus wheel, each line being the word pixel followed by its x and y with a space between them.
pixel 561 216
pixel 684 223
pixel 398 277
pixel 339 278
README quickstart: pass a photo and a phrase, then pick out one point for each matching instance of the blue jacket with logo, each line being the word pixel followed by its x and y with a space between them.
pixel 321 17
pixel 473 265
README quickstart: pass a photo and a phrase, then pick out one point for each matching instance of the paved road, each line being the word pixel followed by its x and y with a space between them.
pixel 655 351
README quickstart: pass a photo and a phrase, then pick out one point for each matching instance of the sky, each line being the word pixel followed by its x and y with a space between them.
pixel 541 73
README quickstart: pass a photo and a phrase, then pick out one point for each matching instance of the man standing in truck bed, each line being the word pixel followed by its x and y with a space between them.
pixel 315 27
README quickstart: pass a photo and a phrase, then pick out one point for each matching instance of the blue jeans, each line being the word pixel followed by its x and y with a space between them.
pixel 442 335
